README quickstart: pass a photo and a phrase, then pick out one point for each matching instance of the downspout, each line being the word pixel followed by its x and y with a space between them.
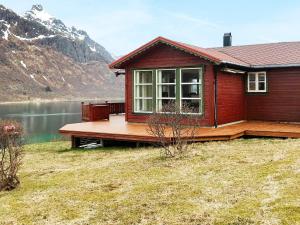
pixel 216 96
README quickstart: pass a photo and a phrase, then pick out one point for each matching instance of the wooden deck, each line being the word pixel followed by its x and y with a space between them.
pixel 117 129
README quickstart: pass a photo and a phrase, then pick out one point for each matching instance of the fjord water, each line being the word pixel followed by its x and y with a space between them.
pixel 41 121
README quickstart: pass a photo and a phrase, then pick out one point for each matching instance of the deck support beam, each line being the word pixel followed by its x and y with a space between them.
pixel 75 141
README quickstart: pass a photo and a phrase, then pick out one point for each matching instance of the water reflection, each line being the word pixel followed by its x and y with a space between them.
pixel 41 121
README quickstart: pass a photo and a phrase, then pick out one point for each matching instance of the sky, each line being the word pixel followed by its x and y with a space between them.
pixel 123 25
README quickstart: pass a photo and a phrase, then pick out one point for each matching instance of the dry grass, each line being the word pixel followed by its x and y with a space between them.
pixel 240 182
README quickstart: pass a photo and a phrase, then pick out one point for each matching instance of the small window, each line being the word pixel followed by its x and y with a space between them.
pixel 257 82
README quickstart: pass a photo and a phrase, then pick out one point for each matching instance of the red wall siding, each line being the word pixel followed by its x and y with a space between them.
pixel 282 102
pixel 231 98
pixel 163 56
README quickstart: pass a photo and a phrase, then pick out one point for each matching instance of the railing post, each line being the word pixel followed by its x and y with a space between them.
pixel 91 113
pixel 82 111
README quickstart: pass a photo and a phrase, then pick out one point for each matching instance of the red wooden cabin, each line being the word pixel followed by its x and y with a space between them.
pixel 228 84
pixel 224 85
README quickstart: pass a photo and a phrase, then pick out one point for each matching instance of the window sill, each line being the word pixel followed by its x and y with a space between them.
pixel 256 91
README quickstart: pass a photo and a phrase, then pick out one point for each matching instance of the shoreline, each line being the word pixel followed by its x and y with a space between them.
pixel 59 100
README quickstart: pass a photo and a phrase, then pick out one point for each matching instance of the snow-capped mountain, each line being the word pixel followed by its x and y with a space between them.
pixel 38 14
pixel 40 57
pixel 39 26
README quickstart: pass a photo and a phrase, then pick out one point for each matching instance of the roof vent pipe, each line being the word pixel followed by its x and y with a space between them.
pixel 227 40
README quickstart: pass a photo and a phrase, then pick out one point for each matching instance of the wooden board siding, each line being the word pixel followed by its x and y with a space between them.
pixel 231 97
pixel 163 56
pixel 281 102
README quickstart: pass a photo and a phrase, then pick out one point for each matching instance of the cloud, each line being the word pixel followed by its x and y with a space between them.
pixel 194 20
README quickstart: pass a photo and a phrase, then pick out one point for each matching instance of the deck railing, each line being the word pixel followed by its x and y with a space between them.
pixel 101 111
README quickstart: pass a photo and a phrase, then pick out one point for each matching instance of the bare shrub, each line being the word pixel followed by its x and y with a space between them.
pixel 173 129
pixel 11 154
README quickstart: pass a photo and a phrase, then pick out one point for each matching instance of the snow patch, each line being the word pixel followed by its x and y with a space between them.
pixel 37 48
pixel 63 79
pixel 23 64
pixel 40 14
pixel 45 78
pixel 32 76
pixel 5 35
pixel 35 38
pixel 7 32
pixel 80 36
pixel 93 49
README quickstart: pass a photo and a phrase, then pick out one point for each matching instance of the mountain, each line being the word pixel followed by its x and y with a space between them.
pixel 40 57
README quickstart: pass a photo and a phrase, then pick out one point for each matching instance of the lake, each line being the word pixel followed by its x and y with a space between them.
pixel 41 121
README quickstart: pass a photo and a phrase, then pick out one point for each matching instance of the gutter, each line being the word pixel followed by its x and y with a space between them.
pixel 215 96
pixel 276 66
pixel 270 66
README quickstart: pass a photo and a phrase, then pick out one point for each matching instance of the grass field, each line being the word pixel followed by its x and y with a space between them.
pixel 241 182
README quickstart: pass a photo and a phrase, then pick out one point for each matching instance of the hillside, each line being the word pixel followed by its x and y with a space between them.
pixel 241 182
pixel 42 58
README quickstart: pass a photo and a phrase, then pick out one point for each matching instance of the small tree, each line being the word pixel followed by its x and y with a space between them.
pixel 11 154
pixel 174 128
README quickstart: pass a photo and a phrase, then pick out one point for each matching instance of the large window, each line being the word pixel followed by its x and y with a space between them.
pixel 155 88
pixel 166 88
pixel 257 82
pixel 191 89
pixel 143 93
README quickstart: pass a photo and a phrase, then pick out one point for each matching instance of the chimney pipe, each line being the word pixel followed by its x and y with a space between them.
pixel 227 40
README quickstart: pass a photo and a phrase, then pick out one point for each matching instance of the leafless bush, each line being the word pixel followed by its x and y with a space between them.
pixel 173 129
pixel 11 154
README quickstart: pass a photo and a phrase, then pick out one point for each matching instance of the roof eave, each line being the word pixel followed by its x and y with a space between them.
pixel 118 63
pixel 235 64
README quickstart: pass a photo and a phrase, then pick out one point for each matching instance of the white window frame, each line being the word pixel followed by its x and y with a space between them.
pixel 135 98
pixel 200 99
pixel 257 82
pixel 161 84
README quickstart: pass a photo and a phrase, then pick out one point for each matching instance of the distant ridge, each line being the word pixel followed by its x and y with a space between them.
pixel 40 57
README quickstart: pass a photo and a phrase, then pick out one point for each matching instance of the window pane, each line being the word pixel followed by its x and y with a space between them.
pixel 143 91
pixel 191 106
pixel 252 77
pixel 252 86
pixel 163 102
pixel 166 76
pixel 261 86
pixel 190 91
pixel 144 77
pixel 261 77
pixel 190 76
pixel 143 105
pixel 166 91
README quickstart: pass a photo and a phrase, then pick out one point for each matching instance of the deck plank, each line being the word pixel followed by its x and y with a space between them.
pixel 116 128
